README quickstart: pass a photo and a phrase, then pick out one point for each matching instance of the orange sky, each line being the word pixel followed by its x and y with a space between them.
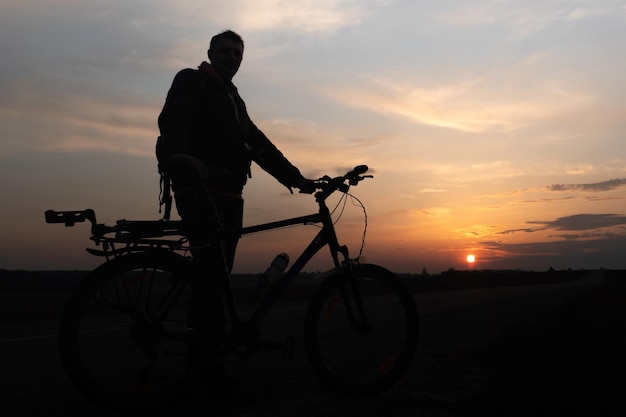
pixel 491 127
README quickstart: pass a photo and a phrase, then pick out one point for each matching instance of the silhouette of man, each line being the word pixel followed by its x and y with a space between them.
pixel 208 133
pixel 208 142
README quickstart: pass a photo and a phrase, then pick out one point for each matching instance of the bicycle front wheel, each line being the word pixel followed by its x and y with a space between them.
pixel 137 331
pixel 361 330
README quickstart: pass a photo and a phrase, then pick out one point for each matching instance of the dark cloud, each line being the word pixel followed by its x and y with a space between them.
pixel 605 251
pixel 526 230
pixel 598 186
pixel 546 200
pixel 578 222
pixel 584 242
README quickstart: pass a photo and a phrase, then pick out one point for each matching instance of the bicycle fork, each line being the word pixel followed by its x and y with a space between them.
pixel 351 295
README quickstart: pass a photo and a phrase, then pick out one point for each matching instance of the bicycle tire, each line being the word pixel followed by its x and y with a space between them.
pixel 356 356
pixel 126 337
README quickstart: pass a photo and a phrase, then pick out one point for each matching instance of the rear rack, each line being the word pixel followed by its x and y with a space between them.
pixel 131 235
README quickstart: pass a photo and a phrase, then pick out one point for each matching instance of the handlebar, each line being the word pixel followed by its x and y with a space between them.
pixel 328 185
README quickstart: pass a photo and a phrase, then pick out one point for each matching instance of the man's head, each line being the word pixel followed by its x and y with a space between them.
pixel 225 53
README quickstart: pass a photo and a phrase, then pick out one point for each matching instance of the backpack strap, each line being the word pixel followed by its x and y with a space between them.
pixel 165 195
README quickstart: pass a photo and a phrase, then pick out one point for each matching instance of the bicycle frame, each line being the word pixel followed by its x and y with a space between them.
pixel 326 236
pixel 140 235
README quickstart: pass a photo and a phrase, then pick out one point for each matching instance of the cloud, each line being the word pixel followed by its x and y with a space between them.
pixel 437 212
pixel 600 251
pixel 579 222
pixel 101 80
pixel 586 12
pixel 269 15
pixel 526 230
pixel 594 187
pixel 579 169
pixel 555 188
pixel 466 173
pixel 305 15
pixel 544 200
pixel 473 105
pixel 308 143
pixel 524 19
pixel 43 122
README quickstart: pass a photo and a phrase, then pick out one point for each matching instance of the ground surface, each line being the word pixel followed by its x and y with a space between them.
pixel 539 350
pixel 570 361
pixel 563 361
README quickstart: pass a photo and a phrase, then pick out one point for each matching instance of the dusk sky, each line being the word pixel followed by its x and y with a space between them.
pixel 492 128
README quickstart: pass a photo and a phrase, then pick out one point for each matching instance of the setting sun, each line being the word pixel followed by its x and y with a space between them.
pixel 471 259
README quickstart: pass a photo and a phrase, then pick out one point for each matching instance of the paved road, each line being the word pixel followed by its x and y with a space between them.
pixel 452 324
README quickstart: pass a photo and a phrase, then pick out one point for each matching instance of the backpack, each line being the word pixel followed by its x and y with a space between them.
pixel 163 155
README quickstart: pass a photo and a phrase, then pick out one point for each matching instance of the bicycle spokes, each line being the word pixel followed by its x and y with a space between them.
pixel 137 333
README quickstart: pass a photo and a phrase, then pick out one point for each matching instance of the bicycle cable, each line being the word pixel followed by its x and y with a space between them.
pixel 360 203
pixel 344 199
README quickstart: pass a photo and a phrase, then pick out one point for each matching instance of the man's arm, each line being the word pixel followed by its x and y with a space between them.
pixel 268 157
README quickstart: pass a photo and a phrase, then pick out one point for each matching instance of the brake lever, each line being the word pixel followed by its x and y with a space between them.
pixel 355 180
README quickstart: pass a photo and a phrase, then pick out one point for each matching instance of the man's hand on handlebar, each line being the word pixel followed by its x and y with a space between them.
pixel 328 185
pixel 306 186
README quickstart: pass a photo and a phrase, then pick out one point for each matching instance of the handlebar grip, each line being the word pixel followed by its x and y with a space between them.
pixel 70 217
pixel 360 169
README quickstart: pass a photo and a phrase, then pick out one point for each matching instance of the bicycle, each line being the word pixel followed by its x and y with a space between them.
pixel 141 329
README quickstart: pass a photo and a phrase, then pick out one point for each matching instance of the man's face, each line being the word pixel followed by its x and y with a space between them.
pixel 226 57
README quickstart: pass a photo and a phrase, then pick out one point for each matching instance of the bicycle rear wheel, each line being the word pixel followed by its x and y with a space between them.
pixel 137 332
pixel 361 330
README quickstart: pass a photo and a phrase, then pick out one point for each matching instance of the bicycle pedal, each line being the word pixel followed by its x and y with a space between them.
pixel 288 347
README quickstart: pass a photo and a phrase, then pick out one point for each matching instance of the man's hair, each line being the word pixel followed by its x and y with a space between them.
pixel 227 34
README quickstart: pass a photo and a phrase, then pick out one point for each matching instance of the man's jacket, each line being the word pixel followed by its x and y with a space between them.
pixel 205 117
